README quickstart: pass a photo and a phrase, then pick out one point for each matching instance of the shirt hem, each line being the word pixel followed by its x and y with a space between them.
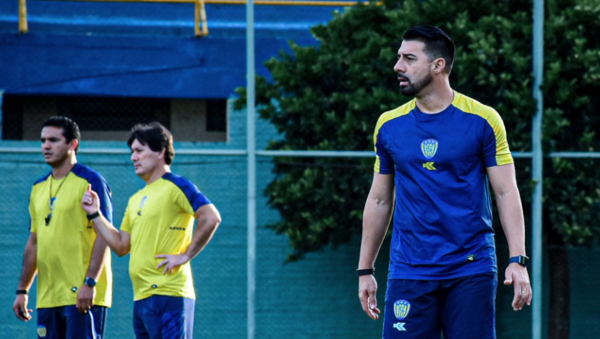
pixel 440 276
pixel 108 305
pixel 166 294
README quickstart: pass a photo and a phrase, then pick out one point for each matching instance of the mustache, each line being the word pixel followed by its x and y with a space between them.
pixel 400 75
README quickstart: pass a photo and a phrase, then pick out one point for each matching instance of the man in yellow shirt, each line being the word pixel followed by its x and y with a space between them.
pixel 74 286
pixel 158 231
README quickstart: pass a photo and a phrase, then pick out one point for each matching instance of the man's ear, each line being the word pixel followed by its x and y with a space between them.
pixel 438 65
pixel 74 144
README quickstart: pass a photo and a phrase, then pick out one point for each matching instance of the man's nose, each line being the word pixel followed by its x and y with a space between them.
pixel 399 66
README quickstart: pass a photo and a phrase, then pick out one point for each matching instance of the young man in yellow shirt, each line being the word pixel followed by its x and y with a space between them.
pixel 74 287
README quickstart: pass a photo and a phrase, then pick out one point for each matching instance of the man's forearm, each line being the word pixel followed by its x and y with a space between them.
pixel 111 235
pixel 205 229
pixel 376 219
pixel 29 268
pixel 511 218
pixel 98 259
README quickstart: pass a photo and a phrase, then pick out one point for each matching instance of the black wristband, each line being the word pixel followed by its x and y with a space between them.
pixel 93 215
pixel 366 271
pixel 22 292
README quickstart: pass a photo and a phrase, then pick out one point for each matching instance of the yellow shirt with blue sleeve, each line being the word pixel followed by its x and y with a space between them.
pixel 65 238
pixel 160 220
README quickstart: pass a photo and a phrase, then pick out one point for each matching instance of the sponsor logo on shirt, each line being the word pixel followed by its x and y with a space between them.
pixel 173 228
pixel 429 166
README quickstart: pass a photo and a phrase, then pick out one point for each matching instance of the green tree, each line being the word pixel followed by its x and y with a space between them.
pixel 571 119
pixel 329 98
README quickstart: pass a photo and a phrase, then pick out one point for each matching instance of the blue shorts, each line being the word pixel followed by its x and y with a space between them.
pixel 164 317
pixel 65 322
pixel 460 308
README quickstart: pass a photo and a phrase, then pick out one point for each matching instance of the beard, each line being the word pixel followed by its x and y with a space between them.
pixel 412 89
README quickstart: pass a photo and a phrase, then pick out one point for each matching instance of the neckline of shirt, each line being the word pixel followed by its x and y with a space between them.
pixel 434 116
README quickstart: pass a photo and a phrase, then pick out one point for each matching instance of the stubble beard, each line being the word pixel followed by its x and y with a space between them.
pixel 415 88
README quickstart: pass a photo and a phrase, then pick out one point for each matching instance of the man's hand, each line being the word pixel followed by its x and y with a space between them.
pixel 86 298
pixel 90 201
pixel 20 307
pixel 367 290
pixel 517 275
pixel 172 261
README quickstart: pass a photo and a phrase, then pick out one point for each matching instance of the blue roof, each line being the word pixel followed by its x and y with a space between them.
pixel 142 49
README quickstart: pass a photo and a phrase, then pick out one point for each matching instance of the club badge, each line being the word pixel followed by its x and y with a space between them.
pixel 429 147
pixel 401 309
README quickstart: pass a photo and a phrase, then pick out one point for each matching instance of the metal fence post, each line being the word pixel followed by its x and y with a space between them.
pixel 251 149
pixel 537 168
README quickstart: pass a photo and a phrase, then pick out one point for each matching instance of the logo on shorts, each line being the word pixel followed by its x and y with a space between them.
pixel 400 327
pixel 429 147
pixel 401 309
pixel 41 331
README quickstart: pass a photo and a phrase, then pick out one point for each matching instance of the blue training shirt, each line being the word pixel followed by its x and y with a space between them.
pixel 442 225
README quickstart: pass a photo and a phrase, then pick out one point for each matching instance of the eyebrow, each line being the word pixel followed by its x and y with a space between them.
pixel 406 54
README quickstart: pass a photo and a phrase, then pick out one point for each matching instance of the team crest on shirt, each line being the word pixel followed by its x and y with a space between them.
pixel 429 147
pixel 41 331
pixel 142 205
pixel 401 309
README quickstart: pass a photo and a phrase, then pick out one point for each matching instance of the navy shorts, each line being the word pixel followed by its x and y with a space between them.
pixel 65 322
pixel 460 308
pixel 164 317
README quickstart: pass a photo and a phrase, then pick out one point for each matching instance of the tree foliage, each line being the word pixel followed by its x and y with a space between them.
pixel 329 98
pixel 572 119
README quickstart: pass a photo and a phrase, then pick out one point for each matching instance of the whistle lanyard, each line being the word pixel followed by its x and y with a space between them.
pixel 52 199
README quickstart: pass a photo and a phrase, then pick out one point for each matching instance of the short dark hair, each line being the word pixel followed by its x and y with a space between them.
pixel 155 136
pixel 69 127
pixel 437 43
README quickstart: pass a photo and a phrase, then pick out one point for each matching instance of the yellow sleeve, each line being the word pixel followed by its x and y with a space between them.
pixel 125 225
pixel 183 202
pixel 32 216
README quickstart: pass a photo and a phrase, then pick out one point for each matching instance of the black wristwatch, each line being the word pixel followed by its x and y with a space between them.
pixel 522 260
pixel 93 215
pixel 22 292
pixel 89 281
pixel 366 271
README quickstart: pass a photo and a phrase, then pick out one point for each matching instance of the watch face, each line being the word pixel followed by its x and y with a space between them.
pixel 90 282
pixel 523 260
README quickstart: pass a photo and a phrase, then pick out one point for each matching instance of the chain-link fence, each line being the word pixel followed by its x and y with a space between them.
pixel 313 298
